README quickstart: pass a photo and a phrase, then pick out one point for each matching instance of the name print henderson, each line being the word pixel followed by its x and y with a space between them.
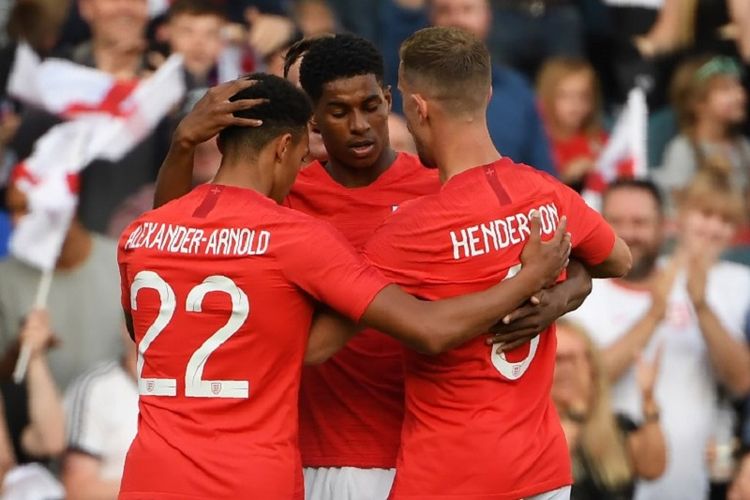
pixel 175 238
pixel 499 234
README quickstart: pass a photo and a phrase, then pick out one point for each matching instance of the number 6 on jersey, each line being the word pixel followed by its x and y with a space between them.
pixel 195 385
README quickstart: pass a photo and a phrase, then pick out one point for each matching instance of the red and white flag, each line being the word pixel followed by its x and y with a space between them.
pixel 625 154
pixel 106 119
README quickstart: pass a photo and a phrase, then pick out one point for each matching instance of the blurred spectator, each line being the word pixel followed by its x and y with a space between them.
pixel 526 32
pixel 34 417
pixel 399 136
pixel 33 410
pixel 194 31
pixel 693 305
pixel 117 47
pixel 83 300
pixel 268 32
pixel 314 17
pixel 569 98
pixel 512 117
pixel 740 489
pixel 609 451
pixel 7 457
pixel 710 103
pixel 102 409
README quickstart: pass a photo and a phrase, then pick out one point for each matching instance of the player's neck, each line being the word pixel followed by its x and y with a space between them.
pixel 241 175
pixel 461 146
pixel 360 177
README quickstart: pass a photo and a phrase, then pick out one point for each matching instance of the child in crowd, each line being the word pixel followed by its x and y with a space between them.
pixel 570 102
pixel 710 103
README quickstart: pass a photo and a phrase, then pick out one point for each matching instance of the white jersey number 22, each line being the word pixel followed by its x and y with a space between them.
pixel 195 385
pixel 513 371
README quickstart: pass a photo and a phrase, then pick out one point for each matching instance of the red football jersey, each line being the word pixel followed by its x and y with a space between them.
pixel 479 424
pixel 352 406
pixel 217 283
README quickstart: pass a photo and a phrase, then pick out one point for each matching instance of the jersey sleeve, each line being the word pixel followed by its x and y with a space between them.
pixel 592 237
pixel 321 262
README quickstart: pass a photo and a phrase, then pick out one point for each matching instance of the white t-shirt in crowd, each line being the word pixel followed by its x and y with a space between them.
pixel 686 387
pixel 102 411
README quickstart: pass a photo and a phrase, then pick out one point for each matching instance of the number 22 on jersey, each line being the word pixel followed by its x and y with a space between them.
pixel 195 385
pixel 511 370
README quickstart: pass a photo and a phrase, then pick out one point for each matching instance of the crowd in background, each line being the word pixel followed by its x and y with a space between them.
pixel 653 371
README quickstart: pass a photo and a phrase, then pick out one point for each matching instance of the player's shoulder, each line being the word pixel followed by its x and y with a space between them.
pixel 310 172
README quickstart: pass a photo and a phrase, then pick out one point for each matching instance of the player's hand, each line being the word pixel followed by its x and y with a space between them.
pixel 546 259
pixel 529 320
pixel 214 112
pixel 37 332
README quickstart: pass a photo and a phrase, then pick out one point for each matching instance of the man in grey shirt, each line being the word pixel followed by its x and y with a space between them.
pixel 83 304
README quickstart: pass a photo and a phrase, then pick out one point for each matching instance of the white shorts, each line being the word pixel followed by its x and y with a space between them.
pixel 348 483
pixel 558 494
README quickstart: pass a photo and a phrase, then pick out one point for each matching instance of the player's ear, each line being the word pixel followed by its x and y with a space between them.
pixel 314 125
pixel 283 147
pixel 388 97
pixel 421 105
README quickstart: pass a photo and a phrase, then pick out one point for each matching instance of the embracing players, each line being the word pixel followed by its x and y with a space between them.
pixel 351 407
pixel 217 289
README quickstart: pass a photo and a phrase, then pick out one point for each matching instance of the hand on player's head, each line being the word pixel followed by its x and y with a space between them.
pixel 548 259
pixel 214 112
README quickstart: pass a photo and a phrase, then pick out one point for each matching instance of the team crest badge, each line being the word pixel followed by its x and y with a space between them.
pixel 215 388
pixel 150 386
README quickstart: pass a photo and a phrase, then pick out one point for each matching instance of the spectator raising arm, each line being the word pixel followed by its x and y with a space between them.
pixel 730 358
pixel 44 436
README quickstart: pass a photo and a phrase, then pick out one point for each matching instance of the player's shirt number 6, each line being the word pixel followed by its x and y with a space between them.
pixel 513 371
pixel 195 385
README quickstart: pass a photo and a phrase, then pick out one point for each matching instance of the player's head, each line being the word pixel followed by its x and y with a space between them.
pixel 277 147
pixel 474 16
pixel 295 54
pixel 635 209
pixel 343 75
pixel 444 75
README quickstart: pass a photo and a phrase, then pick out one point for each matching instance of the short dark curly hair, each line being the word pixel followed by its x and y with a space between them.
pixel 337 57
pixel 299 49
pixel 287 111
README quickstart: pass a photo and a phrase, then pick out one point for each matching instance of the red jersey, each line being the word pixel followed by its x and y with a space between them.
pixel 479 424
pixel 220 285
pixel 352 406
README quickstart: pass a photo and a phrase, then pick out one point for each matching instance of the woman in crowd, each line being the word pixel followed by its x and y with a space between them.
pixel 609 451
pixel 570 102
pixel 710 103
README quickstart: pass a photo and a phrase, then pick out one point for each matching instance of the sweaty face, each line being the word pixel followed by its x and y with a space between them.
pixel 352 116
pixel 198 39
pixel 726 100
pixel 635 217
pixel 118 21
pixel 471 15
pixel 574 98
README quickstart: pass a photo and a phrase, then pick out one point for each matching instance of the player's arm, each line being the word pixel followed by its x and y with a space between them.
pixel 437 326
pixel 212 113
pixel 616 265
pixel 595 243
pixel 534 317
